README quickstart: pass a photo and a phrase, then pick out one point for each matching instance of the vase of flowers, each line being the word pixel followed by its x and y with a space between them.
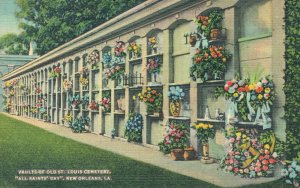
pixel 175 94
pixel 105 103
pixel 134 49
pixel 153 67
pixel 153 44
pixel 204 132
pixel 153 100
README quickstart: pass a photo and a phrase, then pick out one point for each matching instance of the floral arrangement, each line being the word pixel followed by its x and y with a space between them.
pixel 105 103
pixel 153 99
pixel 33 110
pixel 133 127
pixel 209 60
pixel 68 118
pixel 106 59
pixel 176 93
pixel 83 81
pixel 84 72
pixel 77 125
pixel 93 59
pixel 175 137
pixel 74 101
pixel 68 85
pixel 252 154
pixel 152 43
pixel 120 49
pixel 153 65
pixel 38 90
pixel 114 72
pixel 292 173
pixel 94 106
pixel 55 72
pixel 134 49
pixel 204 132
pixel 206 23
pixel 251 99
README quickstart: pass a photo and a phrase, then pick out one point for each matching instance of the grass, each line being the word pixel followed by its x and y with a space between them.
pixel 23 146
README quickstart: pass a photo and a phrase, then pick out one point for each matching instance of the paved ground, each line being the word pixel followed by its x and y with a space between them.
pixel 195 169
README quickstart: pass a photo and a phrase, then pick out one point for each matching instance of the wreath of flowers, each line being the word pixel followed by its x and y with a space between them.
pixel 94 59
pixel 175 137
pixel 209 60
pixel 252 154
pixel 133 128
pixel 153 100
pixel 135 49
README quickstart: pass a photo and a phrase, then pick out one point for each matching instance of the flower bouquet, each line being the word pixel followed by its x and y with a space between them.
pixel 134 49
pixel 153 99
pixel 175 137
pixel 55 72
pixel 209 60
pixel 114 72
pixel 77 126
pixel 120 49
pixel 94 106
pixel 105 103
pixel 84 81
pixel 175 94
pixel 74 101
pixel 68 85
pixel 133 128
pixel 153 44
pixel 153 65
pixel 93 59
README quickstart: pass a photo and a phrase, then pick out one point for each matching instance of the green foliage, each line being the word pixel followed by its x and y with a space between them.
pixel 15 44
pixel 53 23
pixel 292 77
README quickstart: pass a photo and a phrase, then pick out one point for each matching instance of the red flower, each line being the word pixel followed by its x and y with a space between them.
pixel 265 168
pixel 226 87
pixel 261 158
pixel 259 89
pixel 272 161
pixel 247 88
pixel 240 89
pixel 151 100
pixel 265 162
pixel 198 51
pixel 229 83
pixel 236 169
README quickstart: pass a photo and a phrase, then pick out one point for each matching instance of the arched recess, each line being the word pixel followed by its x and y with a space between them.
pixel 154 41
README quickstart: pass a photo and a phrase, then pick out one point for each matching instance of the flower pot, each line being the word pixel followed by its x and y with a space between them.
pixel 177 154
pixel 193 40
pixel 175 108
pixel 189 154
pixel 215 34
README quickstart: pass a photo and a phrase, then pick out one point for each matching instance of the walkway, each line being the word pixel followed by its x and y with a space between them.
pixel 195 169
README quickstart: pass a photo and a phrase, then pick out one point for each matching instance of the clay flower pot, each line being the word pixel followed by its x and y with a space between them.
pixel 189 153
pixel 177 154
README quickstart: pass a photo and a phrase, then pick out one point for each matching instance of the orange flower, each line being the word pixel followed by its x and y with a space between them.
pixel 259 89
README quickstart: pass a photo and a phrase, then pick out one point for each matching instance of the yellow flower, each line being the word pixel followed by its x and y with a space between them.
pixel 235 94
pixel 238 134
pixel 267 90
pixel 251 87
pixel 149 95
pixel 260 96
pixel 133 97
pixel 210 126
pixel 148 88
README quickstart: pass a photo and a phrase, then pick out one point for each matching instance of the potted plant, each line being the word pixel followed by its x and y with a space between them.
pixel 134 49
pixel 210 63
pixel 153 67
pixel 175 140
pixel 153 100
pixel 133 128
pixel 153 44
pixel 175 94
pixel 204 132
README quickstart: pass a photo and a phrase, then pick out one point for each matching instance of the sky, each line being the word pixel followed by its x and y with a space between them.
pixel 8 20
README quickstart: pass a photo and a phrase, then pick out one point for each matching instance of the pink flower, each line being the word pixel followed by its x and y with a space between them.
pixel 236 170
pixel 246 170
pixel 231 140
pixel 257 169
pixel 265 168
pixel 264 81
pixel 246 153
pixel 229 168
pixel 267 156
pixel 265 162
pixel 258 164
pixel 235 86
pixel 227 162
pixel 251 168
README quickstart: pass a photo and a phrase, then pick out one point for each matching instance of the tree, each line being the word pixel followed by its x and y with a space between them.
pixel 15 44
pixel 51 23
